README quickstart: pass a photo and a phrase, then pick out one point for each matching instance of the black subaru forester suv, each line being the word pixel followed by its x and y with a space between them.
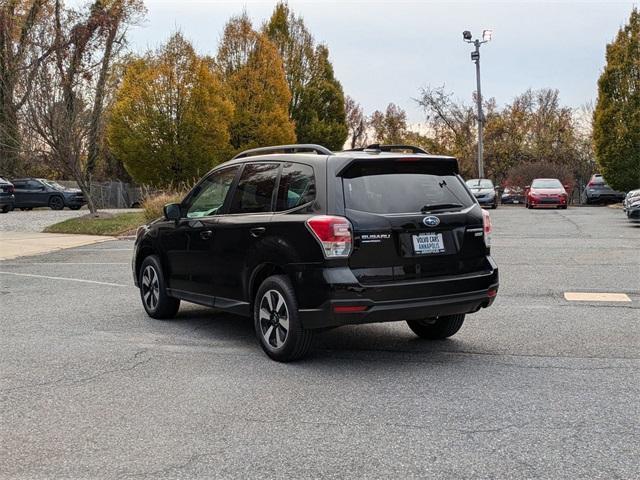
pixel 301 238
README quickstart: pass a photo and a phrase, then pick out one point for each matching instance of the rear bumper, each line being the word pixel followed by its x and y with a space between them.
pixel 633 213
pixel 74 201
pixel 396 301
pixel 7 200
pixel 487 201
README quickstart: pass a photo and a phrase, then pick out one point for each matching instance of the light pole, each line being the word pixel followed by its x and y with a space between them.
pixel 475 56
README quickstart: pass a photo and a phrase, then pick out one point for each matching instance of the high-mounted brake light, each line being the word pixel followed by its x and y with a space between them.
pixel 486 227
pixel 333 233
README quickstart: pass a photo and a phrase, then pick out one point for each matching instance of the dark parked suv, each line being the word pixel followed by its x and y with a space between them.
pixel 7 198
pixel 38 192
pixel 301 238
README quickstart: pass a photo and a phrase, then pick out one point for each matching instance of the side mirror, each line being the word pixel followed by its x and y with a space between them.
pixel 567 187
pixel 172 211
pixel 527 187
pixel 41 189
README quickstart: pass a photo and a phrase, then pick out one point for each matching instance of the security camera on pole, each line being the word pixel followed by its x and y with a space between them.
pixel 475 56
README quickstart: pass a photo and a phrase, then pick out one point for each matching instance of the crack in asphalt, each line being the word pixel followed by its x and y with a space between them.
pixel 83 380
pixel 179 466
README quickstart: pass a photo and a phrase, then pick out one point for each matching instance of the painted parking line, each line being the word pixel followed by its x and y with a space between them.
pixel 22 264
pixel 80 280
pixel 596 297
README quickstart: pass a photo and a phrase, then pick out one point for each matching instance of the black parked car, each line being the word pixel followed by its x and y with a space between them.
pixel 7 198
pixel 301 238
pixel 38 192
pixel 597 191
pixel 512 195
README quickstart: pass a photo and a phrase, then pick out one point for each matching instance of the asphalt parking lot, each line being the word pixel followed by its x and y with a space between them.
pixel 534 387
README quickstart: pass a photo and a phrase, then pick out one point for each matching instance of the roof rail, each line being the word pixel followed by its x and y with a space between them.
pixel 389 148
pixel 300 148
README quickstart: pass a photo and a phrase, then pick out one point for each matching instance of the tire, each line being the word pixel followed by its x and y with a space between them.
pixel 494 206
pixel 153 292
pixel 26 209
pixel 276 321
pixel 75 207
pixel 438 328
pixel 56 203
pixel 563 207
pixel 6 208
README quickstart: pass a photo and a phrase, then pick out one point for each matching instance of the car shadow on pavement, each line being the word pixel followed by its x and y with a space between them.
pixel 383 340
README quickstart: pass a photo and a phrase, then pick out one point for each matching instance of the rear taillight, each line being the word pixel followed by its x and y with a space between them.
pixel 333 233
pixel 486 224
pixel 11 188
pixel 590 184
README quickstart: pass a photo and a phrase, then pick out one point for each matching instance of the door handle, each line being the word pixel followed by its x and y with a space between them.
pixel 206 234
pixel 257 231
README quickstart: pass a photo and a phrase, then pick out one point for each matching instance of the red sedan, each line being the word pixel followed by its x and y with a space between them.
pixel 546 192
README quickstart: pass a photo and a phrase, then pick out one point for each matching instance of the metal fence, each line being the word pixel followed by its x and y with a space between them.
pixel 112 194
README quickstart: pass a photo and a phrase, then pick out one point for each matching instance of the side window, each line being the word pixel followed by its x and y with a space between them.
pixel 297 186
pixel 34 185
pixel 255 188
pixel 19 185
pixel 211 193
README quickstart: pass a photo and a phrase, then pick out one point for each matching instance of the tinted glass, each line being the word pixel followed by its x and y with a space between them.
pixel 255 188
pixel 297 186
pixel 546 183
pixel 34 185
pixel 209 196
pixel 404 192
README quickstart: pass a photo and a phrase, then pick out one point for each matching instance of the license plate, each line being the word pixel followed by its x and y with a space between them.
pixel 428 243
pixel 516 201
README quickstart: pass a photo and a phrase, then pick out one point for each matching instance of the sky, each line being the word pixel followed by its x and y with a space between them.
pixel 385 51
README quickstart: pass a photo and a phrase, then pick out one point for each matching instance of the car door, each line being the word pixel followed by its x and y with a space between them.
pixel 188 244
pixel 20 192
pixel 240 231
pixel 37 194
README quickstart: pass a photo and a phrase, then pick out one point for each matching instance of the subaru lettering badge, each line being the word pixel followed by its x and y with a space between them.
pixel 431 221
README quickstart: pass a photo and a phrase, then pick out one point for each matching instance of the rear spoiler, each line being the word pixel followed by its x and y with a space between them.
pixel 432 164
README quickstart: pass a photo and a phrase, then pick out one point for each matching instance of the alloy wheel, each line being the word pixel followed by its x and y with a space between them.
pixel 150 287
pixel 56 203
pixel 274 318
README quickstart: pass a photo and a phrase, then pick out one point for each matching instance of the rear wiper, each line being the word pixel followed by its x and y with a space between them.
pixel 439 206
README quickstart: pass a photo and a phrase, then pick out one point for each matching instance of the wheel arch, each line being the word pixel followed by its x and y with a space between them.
pixel 259 274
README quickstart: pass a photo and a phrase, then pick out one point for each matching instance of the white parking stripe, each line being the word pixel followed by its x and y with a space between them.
pixel 596 297
pixel 62 263
pixel 64 278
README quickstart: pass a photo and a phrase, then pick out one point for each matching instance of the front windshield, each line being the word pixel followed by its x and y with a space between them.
pixel 546 183
pixel 479 183
pixel 52 184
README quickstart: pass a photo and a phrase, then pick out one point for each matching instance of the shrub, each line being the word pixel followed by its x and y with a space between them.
pixel 522 175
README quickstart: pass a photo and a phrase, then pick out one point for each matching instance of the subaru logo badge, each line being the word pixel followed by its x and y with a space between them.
pixel 431 221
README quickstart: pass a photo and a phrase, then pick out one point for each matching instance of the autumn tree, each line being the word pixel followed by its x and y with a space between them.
pixel 617 112
pixel 389 126
pixel 317 98
pixel 170 121
pixel 63 102
pixel 253 72
pixel 321 116
pixel 357 123
pixel 25 43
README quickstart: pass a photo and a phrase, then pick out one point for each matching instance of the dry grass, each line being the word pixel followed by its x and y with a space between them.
pixel 153 204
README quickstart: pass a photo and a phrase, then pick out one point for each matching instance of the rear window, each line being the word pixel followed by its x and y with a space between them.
pixel 254 192
pixel 546 183
pixel 479 183
pixel 404 192
pixel 297 186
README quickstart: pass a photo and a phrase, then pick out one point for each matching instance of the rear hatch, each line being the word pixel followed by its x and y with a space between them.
pixel 412 220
